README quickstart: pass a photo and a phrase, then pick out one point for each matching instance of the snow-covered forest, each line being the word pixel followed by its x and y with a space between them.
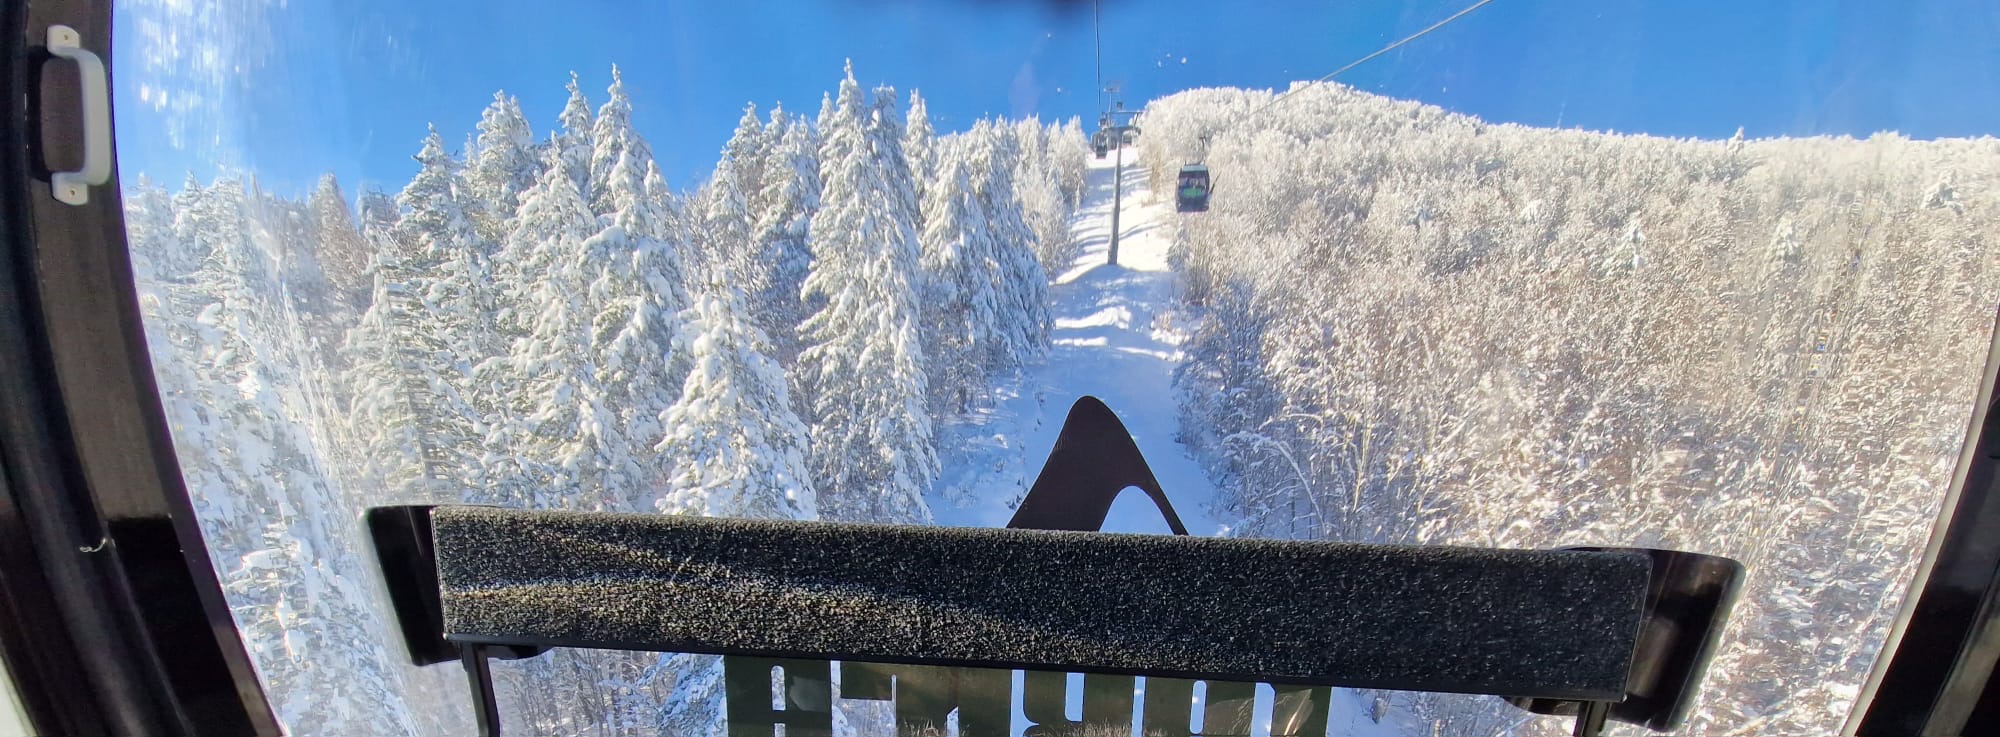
pixel 538 319
pixel 1396 324
pixel 1419 327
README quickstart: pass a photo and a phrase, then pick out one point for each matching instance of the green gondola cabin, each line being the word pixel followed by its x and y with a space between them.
pixel 1191 189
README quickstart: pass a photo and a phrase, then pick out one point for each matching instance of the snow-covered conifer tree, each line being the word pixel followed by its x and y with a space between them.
pixel 724 236
pixel 638 292
pixel 738 448
pixel 184 203
pixel 883 122
pixel 553 427
pixel 1069 154
pixel 871 435
pixel 149 226
pixel 1020 329
pixel 258 484
pixel 410 357
pixel 343 255
pixel 1044 208
pixel 920 147
pixel 613 138
pixel 749 151
pixel 960 306
pixel 790 196
pixel 575 141
pixel 438 229
pixel 777 125
pixel 501 167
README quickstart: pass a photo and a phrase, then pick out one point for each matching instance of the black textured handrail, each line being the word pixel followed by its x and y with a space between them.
pixel 1547 624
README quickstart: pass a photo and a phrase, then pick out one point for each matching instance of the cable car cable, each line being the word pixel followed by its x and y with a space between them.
pixel 1097 47
pixel 1358 62
pixel 1195 184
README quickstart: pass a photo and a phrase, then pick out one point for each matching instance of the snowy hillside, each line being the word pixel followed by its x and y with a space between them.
pixel 1395 324
pixel 1420 327
pixel 1114 338
pixel 542 321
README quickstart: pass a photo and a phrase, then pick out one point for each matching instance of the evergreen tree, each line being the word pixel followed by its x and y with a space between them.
pixel 215 222
pixel 576 142
pixel 762 198
pixel 672 223
pixel 239 256
pixel 724 237
pixel 790 193
pixel 985 295
pixel 549 447
pixel 285 232
pixel 1014 272
pixel 885 135
pixel 377 213
pixel 159 254
pixel 437 229
pixel 519 266
pixel 407 429
pixel 502 166
pixel 1043 206
pixel 748 152
pixel 161 271
pixel 920 147
pixel 343 255
pixel 1069 150
pixel 628 189
pixel 410 356
pixel 613 139
pixel 738 448
pixel 871 436
pixel 959 305
pixel 195 248
pixel 591 313
pixel 221 336
pixel 167 254
pixel 638 293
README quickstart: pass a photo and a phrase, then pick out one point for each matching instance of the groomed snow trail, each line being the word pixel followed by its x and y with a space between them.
pixel 1114 338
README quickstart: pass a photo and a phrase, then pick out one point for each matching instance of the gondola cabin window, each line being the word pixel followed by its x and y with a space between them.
pixel 1191 189
pixel 1516 283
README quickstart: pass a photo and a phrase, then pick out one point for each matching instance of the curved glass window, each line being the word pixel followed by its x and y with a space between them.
pixel 1693 275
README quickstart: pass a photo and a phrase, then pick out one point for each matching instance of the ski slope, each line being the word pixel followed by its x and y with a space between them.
pixel 1115 337
pixel 1118 337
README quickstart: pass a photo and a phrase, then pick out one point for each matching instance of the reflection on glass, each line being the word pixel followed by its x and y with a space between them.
pixel 13 718
pixel 1386 321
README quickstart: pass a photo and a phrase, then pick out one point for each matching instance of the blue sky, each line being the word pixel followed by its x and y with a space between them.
pixel 289 90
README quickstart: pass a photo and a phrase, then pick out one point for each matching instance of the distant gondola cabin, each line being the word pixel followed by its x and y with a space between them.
pixel 1100 143
pixel 1191 189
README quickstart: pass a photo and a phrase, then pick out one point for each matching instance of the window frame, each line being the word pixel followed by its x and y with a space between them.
pixel 112 620
pixel 1934 672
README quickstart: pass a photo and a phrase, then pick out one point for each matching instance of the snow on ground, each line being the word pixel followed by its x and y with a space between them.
pixel 1113 338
